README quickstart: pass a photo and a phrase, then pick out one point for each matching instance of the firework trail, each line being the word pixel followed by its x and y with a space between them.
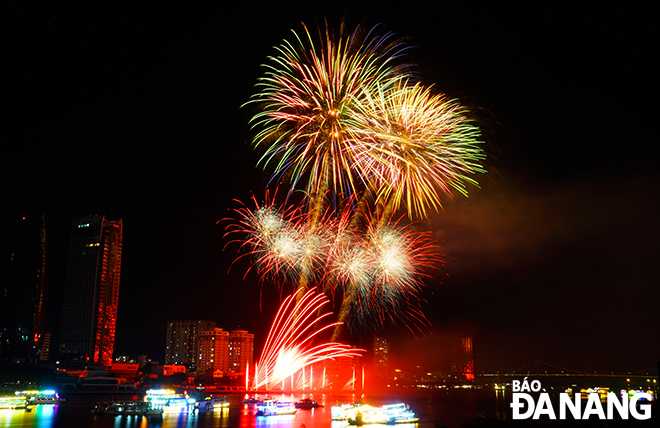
pixel 290 344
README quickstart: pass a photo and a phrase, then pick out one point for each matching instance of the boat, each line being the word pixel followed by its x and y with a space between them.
pixel 400 414
pixel 341 412
pixel 275 408
pixel 127 408
pixel 169 401
pixel 366 414
pixel 13 402
pixel 92 379
pixel 306 403
pixel 219 402
pixel 390 414
pixel 47 396
pixel 212 403
pixel 254 399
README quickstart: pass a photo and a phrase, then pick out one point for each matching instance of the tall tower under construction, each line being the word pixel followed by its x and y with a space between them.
pixel 23 289
pixel 381 357
pixel 91 291
pixel 464 358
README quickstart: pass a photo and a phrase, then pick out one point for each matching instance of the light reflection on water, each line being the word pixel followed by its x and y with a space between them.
pixel 448 410
pixel 42 416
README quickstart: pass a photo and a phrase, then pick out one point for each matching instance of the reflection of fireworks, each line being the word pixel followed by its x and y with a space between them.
pixel 289 347
pixel 414 144
pixel 306 97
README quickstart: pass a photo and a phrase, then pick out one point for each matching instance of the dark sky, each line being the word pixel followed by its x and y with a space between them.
pixel 134 112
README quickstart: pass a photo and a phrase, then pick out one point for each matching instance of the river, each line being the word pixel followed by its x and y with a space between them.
pixel 435 409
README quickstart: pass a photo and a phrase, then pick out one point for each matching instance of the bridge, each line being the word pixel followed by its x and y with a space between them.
pixel 541 368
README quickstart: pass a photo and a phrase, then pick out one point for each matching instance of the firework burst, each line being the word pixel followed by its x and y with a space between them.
pixel 270 237
pixel 306 97
pixel 284 244
pixel 415 146
pixel 379 271
pixel 341 119
pixel 375 263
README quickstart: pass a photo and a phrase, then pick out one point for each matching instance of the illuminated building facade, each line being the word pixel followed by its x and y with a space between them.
pixel 213 350
pixel 91 291
pixel 343 374
pixel 223 351
pixel 381 365
pixel 182 342
pixel 23 290
pixel 241 350
pixel 464 359
pixel 45 346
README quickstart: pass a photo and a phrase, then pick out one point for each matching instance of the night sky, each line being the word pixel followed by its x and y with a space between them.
pixel 134 112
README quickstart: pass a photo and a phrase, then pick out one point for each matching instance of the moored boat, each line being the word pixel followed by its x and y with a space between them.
pixel 400 414
pixel 306 403
pixel 275 408
pixel 365 414
pixel 13 402
pixel 47 396
pixel 170 401
pixel 254 399
pixel 341 412
pixel 127 408
pixel 212 403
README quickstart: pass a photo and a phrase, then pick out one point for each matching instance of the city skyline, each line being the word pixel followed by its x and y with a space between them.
pixel 182 341
pixel 551 259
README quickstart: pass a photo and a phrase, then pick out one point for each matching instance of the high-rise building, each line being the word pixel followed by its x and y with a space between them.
pixel 464 359
pixel 44 353
pixel 241 350
pixel 182 343
pixel 23 288
pixel 91 291
pixel 343 374
pixel 381 357
pixel 225 351
pixel 213 350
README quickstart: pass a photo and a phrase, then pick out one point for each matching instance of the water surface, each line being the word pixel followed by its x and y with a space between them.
pixel 435 409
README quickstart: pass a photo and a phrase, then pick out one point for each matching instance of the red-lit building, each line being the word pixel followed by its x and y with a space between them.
pixel 213 350
pixel 464 359
pixel 225 351
pixel 382 364
pixel 128 371
pixel 241 350
pixel 343 374
pixel 91 291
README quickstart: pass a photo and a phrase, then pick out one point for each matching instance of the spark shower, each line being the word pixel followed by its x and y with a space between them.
pixel 343 120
